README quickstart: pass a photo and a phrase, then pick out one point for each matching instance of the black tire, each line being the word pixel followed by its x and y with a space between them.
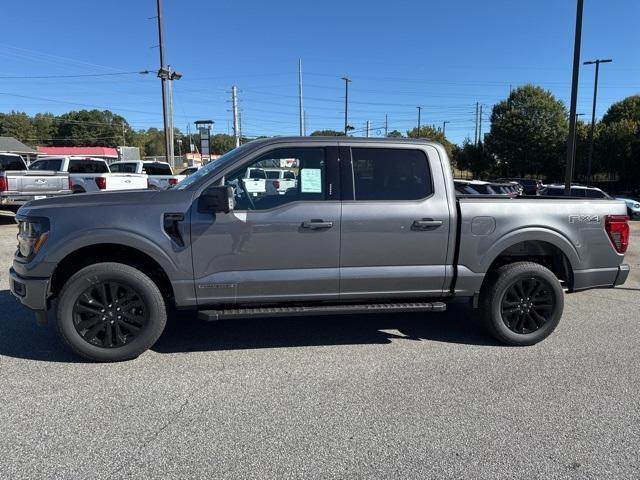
pixel 129 329
pixel 521 303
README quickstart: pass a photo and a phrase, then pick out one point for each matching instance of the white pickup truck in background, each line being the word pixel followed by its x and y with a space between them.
pixel 280 179
pixel 18 185
pixel 159 174
pixel 90 174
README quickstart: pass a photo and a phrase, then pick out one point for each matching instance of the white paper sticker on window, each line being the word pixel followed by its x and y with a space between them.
pixel 311 179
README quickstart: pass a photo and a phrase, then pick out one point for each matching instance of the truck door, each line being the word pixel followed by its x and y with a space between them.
pixel 395 224
pixel 273 247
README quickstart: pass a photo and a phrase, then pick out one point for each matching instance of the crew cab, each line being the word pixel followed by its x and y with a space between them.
pixel 158 174
pixel 280 179
pixel 372 225
pixel 89 174
pixel 18 185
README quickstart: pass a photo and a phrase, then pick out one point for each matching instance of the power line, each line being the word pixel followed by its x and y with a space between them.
pixel 143 72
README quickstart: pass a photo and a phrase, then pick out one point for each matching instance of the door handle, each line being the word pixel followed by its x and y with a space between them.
pixel 426 224
pixel 316 224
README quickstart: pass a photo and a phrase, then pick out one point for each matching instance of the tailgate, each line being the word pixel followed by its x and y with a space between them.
pixel 37 182
pixel 125 181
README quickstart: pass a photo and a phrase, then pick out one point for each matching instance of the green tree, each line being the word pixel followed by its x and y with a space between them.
pixel 327 133
pixel 17 125
pixel 473 158
pixel 431 133
pixel 222 143
pixel 394 134
pixel 91 128
pixel 45 127
pixel 627 109
pixel 528 133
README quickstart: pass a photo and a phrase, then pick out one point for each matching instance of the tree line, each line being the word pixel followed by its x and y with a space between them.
pixel 527 137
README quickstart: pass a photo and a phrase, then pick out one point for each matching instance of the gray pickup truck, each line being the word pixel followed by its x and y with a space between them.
pixel 371 225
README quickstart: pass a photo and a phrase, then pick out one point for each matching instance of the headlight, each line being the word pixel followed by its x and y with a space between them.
pixel 32 234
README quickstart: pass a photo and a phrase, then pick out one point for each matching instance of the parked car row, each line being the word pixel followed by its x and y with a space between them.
pixel 55 176
pixel 585 191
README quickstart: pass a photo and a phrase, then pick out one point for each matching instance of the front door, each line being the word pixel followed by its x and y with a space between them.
pixel 278 244
pixel 395 226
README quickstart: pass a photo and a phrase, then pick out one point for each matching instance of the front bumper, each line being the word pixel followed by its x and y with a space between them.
pixel 31 292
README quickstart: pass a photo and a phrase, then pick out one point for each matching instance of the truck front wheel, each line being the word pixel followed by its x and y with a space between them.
pixel 522 303
pixel 109 312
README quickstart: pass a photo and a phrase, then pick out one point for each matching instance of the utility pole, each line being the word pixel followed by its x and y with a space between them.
pixel 347 81
pixel 419 112
pixel 304 123
pixel 480 126
pixel 234 103
pixel 170 130
pixel 124 140
pixel 162 78
pixel 571 142
pixel 240 125
pixel 444 128
pixel 386 125
pixel 476 134
pixel 593 112
pixel 367 129
pixel 300 104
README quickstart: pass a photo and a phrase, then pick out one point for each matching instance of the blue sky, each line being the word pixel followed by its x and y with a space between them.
pixel 442 55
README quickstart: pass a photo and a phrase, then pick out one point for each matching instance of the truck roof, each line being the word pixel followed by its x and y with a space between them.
pixel 343 139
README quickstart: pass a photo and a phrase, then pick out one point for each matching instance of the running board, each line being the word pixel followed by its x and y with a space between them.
pixel 212 315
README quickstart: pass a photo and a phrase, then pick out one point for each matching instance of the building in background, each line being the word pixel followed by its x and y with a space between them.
pixel 109 154
pixel 11 145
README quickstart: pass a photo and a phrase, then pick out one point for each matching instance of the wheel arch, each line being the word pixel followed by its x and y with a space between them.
pixel 110 252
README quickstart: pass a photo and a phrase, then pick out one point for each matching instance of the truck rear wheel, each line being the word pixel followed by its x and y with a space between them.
pixel 522 303
pixel 110 312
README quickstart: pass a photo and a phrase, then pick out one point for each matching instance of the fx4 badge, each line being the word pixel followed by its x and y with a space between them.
pixel 584 218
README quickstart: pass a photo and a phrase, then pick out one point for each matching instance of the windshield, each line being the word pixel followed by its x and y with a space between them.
pixel 228 157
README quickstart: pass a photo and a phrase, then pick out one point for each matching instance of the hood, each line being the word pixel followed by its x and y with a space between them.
pixel 99 205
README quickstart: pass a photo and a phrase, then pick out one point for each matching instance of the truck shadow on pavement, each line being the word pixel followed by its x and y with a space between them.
pixel 185 333
pixel 21 337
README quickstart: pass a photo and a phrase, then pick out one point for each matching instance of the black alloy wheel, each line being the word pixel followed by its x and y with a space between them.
pixel 527 305
pixel 110 314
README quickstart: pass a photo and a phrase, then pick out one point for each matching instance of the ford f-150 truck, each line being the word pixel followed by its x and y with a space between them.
pixel 88 175
pixel 371 226
pixel 159 174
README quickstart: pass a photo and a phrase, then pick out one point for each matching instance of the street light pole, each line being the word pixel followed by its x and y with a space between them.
pixel 593 112
pixel 571 143
pixel 419 112
pixel 347 81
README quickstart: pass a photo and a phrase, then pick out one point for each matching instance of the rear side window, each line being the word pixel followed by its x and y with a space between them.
pixel 390 174
pixel 157 169
pixel 257 173
pixel 10 162
pixel 47 165
pixel 87 166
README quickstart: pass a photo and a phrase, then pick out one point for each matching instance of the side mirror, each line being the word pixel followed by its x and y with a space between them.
pixel 217 199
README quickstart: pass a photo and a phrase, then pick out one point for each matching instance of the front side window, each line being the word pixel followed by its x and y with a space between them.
pixel 123 167
pixel 390 174
pixel 255 191
pixel 595 194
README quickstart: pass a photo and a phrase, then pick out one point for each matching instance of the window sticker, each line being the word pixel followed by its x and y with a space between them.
pixel 311 180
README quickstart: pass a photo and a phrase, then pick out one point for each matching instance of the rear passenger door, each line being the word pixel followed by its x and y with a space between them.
pixel 395 225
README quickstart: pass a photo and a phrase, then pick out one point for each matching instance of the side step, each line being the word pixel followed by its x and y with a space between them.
pixel 212 315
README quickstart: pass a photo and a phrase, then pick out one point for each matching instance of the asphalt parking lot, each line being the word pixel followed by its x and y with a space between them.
pixel 403 396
